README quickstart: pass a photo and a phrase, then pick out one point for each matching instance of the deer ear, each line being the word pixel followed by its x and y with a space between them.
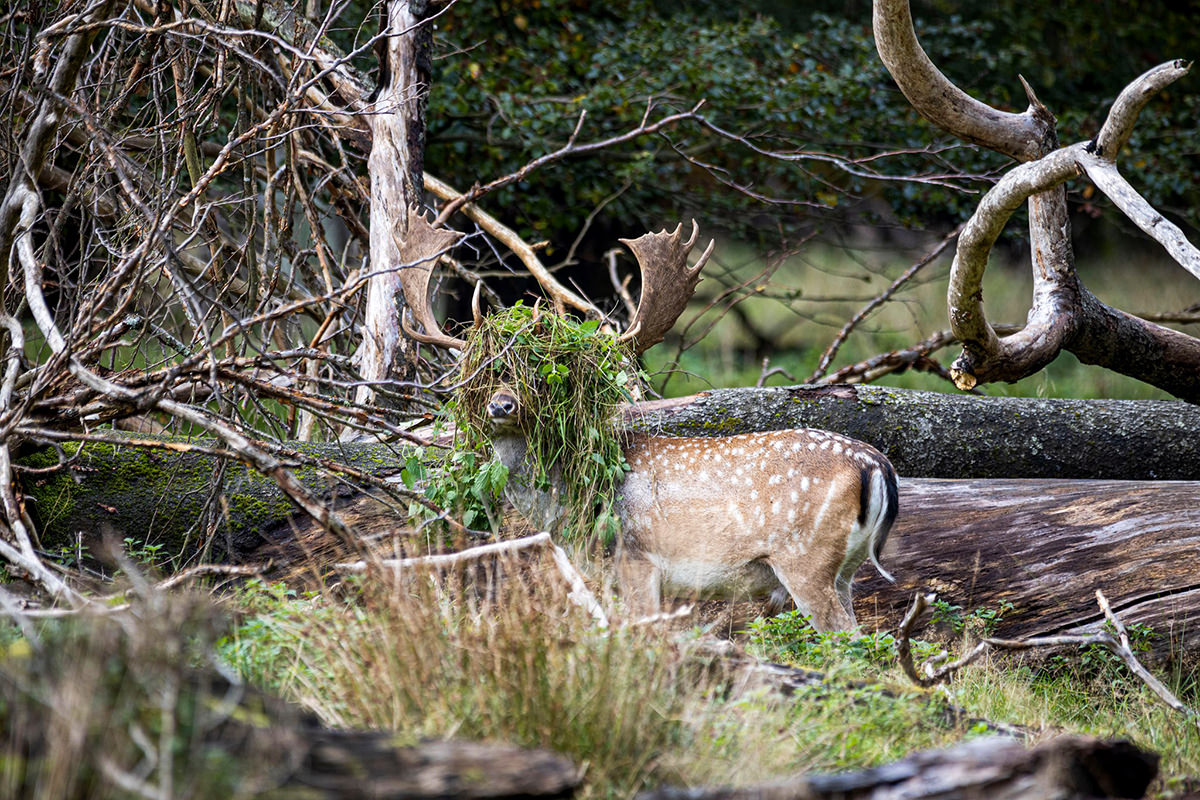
pixel 420 247
pixel 668 283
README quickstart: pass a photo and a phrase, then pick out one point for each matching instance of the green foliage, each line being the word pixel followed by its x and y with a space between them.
pixel 460 482
pixel 569 379
pixel 519 72
pixel 789 637
pixel 980 622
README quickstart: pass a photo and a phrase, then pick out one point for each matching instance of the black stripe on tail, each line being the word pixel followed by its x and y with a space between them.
pixel 891 504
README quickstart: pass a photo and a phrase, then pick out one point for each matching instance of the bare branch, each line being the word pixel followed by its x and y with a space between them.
pixel 1120 647
pixel 944 104
pixel 1104 174
pixel 831 351
pixel 510 239
pixel 580 595
pixel 1118 126
pixel 571 148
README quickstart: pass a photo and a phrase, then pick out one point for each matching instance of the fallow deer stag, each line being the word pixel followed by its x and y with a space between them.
pixel 790 512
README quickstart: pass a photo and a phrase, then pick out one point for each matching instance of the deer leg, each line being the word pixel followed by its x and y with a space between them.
pixel 640 583
pixel 777 603
pixel 824 605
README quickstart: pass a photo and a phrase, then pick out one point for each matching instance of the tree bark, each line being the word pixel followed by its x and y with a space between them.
pixel 1045 547
pixel 933 435
pixel 1062 768
pixel 396 118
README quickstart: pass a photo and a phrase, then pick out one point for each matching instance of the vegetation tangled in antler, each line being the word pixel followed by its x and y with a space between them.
pixel 570 378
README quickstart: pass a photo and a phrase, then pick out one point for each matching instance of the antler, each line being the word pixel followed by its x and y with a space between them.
pixel 667 282
pixel 419 251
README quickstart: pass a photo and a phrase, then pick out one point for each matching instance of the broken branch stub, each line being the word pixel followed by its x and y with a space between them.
pixel 668 283
pixel 420 247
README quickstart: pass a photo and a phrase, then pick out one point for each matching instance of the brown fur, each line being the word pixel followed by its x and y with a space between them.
pixel 736 516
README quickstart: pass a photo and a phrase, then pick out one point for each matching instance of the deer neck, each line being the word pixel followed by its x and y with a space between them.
pixel 544 508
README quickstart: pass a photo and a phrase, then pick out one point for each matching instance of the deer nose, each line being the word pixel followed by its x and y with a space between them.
pixel 499 409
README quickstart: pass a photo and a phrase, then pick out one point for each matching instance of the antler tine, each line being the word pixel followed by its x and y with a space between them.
pixel 419 250
pixel 668 283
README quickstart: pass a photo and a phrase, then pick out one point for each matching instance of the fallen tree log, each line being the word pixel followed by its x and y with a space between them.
pixel 1062 768
pixel 934 435
pixel 1045 547
pixel 188 498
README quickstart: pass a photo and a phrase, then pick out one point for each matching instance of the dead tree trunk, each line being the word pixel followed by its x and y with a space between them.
pixel 1045 547
pixel 1065 315
pixel 1063 768
pixel 397 121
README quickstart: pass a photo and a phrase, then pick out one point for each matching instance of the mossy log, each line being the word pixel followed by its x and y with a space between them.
pixel 933 435
pixel 185 500
pixel 1036 551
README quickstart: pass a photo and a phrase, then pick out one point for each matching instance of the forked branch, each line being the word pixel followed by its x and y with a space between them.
pixel 1060 306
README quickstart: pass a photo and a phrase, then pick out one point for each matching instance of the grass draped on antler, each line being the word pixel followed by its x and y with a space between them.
pixel 569 378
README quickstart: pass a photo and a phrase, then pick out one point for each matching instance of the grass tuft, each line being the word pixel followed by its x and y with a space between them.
pixel 514 663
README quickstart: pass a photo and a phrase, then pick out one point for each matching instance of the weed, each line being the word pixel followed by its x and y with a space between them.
pixel 569 379
pixel 459 484
pixel 145 554
pixel 981 621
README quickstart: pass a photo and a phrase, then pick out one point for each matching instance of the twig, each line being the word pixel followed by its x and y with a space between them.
pixel 1125 652
pixel 883 297
pixel 200 570
pixel 580 595
pixel 665 616
pixel 513 241
pixel 1119 647
pixel 767 371
pixel 571 148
